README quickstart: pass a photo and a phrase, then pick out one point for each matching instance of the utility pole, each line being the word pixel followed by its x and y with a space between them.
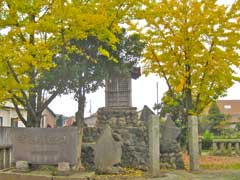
pixel 90 109
pixel 157 98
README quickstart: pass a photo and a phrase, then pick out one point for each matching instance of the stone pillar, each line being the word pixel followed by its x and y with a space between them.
pixel 4 158
pixel 193 142
pixel 237 146
pixel 154 145
pixel 222 147
pixel 11 157
pixel 215 147
pixel 1 159
pixel 229 146
pixel 7 158
pixel 200 146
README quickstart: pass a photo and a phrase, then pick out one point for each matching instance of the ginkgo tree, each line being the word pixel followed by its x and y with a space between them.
pixel 34 32
pixel 192 44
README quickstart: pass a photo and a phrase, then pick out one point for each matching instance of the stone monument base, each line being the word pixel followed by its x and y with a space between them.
pixel 118 116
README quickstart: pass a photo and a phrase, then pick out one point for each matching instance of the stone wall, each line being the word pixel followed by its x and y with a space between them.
pixel 134 147
pixel 171 160
pixel 118 117
pixel 127 129
pixel 133 134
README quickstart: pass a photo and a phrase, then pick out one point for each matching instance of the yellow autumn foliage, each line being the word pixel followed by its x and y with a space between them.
pixel 193 44
pixel 32 32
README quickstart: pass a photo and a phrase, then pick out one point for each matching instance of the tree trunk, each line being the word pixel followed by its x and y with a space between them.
pixel 79 166
pixel 80 123
pixel 39 107
pixel 188 102
pixel 31 117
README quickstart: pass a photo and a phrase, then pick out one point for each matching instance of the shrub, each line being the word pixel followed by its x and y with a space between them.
pixel 207 140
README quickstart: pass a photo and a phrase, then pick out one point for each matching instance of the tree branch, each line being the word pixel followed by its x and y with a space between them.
pixel 203 78
pixel 48 101
pixel 164 75
pixel 29 106
pixel 19 112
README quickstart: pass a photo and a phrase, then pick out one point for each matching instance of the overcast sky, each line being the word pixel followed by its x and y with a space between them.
pixel 143 93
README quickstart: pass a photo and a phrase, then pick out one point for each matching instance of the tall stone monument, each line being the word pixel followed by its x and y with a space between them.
pixel 118 92
pixel 118 110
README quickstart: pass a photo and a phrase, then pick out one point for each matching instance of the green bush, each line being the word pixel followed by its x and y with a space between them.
pixel 207 140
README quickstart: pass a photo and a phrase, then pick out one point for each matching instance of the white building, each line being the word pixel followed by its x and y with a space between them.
pixel 91 121
pixel 9 117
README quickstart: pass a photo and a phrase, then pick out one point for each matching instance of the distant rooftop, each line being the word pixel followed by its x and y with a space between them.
pixel 231 107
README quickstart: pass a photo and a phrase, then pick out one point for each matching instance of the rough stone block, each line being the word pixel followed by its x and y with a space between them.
pixel 63 166
pixel 108 153
pixel 22 166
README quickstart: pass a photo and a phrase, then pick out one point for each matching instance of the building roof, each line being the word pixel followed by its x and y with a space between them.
pixel 51 111
pixel 69 121
pixel 229 107
pixel 91 121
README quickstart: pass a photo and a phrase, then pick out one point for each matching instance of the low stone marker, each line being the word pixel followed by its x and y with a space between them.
pixel 193 143
pixel 63 169
pixel 108 153
pixel 154 146
pixel 22 166
pixel 63 166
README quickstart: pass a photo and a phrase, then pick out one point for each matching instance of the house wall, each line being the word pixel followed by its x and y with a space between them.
pixel 91 121
pixel 231 108
pixel 8 113
pixel 49 119
pixel 69 122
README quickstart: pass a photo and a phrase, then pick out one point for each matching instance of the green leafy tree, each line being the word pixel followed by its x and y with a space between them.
pixel 216 119
pixel 169 106
pixel 87 72
pixel 207 140
pixel 60 120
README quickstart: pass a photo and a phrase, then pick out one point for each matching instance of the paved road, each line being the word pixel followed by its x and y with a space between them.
pixel 170 175
pixel 201 175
